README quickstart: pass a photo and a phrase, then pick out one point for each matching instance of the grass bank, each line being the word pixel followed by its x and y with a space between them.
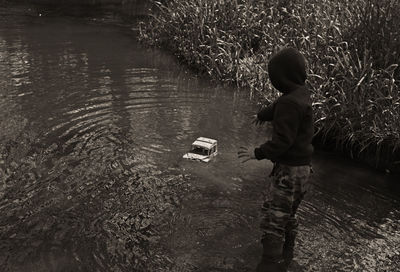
pixel 352 48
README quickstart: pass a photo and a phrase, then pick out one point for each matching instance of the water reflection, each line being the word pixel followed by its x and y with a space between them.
pixel 93 127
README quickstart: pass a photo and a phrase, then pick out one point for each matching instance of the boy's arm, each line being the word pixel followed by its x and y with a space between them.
pixel 286 122
pixel 267 113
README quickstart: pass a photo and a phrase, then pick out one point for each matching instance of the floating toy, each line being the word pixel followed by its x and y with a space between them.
pixel 203 149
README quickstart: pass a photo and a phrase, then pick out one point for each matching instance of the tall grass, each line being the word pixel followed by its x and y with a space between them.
pixel 352 48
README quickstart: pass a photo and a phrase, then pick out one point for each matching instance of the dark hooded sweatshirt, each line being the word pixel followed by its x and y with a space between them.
pixel 291 114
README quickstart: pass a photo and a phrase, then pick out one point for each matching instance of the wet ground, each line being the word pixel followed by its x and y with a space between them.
pixel 93 127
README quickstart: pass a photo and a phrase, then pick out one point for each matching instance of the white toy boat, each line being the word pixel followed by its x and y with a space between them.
pixel 203 149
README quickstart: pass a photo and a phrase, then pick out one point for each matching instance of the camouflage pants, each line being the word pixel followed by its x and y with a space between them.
pixel 279 224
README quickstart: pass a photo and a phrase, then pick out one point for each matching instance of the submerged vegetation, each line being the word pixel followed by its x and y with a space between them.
pixel 352 49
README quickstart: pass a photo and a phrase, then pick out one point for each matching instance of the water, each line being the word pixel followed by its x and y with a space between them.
pixel 93 127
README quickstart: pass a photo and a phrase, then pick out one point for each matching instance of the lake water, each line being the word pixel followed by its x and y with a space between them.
pixel 93 127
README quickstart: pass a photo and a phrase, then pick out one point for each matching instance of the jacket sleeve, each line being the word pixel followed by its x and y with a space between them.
pixel 267 113
pixel 286 122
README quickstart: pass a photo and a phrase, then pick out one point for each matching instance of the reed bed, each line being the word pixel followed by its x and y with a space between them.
pixel 352 48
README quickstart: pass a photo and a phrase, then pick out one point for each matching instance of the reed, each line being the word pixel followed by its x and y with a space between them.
pixel 352 48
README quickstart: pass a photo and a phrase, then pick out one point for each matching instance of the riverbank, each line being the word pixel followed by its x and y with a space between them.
pixel 353 70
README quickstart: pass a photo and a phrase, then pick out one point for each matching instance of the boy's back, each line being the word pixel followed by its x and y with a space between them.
pixel 291 114
pixel 290 149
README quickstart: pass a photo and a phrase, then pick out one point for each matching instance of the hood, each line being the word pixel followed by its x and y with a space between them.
pixel 287 70
pixel 196 157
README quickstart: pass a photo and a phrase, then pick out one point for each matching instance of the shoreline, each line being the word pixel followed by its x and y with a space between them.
pixel 356 95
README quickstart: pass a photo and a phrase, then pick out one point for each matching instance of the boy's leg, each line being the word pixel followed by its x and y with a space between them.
pixel 291 233
pixel 277 210
pixel 301 178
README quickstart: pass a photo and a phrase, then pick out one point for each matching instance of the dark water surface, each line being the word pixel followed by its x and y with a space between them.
pixel 92 131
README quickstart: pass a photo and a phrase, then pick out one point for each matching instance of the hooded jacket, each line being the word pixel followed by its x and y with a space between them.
pixel 291 114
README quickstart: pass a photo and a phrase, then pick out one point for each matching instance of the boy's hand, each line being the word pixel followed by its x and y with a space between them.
pixel 257 121
pixel 246 154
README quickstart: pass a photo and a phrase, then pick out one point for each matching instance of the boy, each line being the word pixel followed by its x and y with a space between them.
pixel 290 150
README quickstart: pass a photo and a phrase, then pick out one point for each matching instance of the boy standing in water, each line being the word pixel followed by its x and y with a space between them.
pixel 290 150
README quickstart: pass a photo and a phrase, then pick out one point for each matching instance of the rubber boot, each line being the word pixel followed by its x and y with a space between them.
pixel 272 260
pixel 288 249
pixel 268 266
pixel 288 246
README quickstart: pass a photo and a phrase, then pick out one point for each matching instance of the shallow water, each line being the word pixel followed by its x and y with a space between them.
pixel 92 130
